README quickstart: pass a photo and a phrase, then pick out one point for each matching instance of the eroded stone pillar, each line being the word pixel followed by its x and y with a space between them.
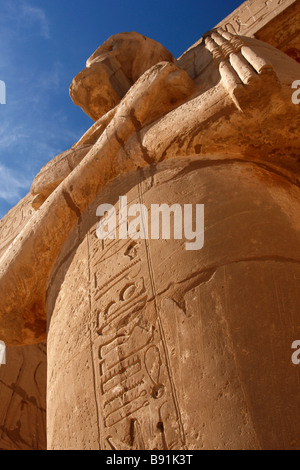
pixel 23 378
pixel 23 398
pixel 151 346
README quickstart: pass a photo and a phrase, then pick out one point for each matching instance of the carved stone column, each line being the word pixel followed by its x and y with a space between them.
pixel 152 346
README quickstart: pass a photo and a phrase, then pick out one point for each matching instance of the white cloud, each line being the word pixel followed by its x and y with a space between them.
pixel 35 123
pixel 37 16
pixel 20 19
pixel 10 135
pixel 11 184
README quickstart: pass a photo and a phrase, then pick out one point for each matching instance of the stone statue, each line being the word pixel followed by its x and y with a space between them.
pixel 151 346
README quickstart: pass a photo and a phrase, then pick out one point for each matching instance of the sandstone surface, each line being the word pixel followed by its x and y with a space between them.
pixel 149 345
pixel 112 70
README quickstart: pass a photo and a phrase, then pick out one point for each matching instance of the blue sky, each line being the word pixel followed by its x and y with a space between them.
pixel 45 43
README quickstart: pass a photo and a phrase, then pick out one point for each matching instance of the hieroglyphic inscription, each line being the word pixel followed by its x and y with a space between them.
pixel 134 395
pixel 252 15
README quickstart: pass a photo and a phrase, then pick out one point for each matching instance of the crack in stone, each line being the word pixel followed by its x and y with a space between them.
pixel 71 203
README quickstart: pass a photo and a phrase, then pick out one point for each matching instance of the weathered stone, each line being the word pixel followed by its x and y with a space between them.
pixel 52 174
pixel 112 70
pixel 27 264
pixel 23 378
pixel 151 345
pixel 150 301
pixel 253 15
pixel 23 399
